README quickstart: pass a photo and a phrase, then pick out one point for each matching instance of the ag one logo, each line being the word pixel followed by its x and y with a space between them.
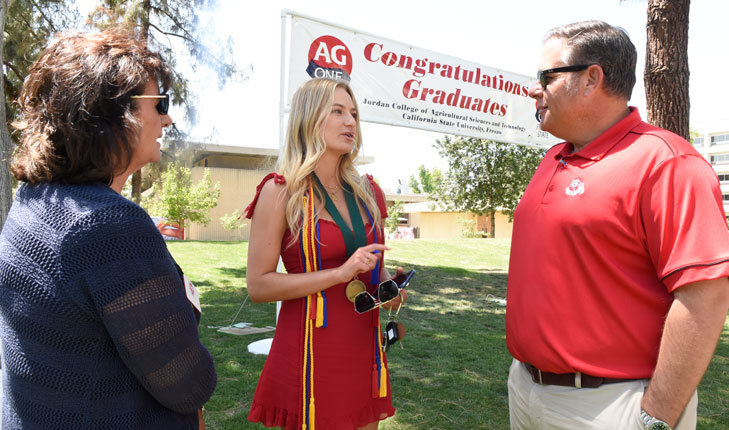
pixel 329 57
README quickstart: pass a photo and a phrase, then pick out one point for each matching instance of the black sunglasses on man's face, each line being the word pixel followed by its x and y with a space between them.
pixel 543 74
pixel 163 105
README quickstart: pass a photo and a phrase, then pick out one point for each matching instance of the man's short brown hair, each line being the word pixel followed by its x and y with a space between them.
pixel 78 123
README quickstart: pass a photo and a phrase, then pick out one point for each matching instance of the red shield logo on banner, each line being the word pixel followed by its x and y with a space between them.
pixel 329 57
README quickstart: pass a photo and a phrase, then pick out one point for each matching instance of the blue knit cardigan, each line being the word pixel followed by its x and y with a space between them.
pixel 97 331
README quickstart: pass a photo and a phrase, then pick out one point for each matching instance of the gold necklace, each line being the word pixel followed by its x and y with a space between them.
pixel 332 194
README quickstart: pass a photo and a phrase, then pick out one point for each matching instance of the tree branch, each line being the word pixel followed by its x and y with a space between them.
pixel 28 26
pixel 15 70
pixel 174 20
pixel 167 33
pixel 50 23
pixel 187 36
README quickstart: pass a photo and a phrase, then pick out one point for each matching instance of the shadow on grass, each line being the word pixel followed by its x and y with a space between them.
pixel 451 372
pixel 238 272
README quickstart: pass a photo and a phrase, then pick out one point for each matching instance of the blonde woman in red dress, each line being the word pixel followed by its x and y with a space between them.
pixel 326 369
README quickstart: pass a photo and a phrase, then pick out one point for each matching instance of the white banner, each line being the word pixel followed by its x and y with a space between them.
pixel 407 86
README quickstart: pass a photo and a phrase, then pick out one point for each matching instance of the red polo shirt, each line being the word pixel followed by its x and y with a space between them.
pixel 601 239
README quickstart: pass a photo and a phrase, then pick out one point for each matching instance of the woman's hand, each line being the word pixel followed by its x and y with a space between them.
pixel 363 260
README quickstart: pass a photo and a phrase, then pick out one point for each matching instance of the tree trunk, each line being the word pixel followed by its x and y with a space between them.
pixel 143 35
pixel 492 219
pixel 666 65
pixel 137 186
pixel 6 143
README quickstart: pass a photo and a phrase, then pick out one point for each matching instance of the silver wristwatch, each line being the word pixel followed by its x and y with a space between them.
pixel 652 423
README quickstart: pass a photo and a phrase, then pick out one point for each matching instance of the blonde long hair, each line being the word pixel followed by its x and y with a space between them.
pixel 304 146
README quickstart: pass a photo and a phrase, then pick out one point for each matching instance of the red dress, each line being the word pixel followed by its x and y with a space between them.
pixel 344 351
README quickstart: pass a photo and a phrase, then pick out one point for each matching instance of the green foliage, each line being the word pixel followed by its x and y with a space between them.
pixel 693 134
pixel 28 26
pixel 485 176
pixel 394 213
pixel 233 221
pixel 428 181
pixel 414 185
pixel 468 228
pixel 178 199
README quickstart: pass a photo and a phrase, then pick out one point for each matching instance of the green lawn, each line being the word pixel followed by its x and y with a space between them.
pixel 451 373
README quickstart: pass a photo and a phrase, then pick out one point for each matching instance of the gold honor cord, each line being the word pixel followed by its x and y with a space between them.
pixel 314 311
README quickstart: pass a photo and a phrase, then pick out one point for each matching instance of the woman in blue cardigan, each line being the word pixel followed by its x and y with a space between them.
pixel 97 329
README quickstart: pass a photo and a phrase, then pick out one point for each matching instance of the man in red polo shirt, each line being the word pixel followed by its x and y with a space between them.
pixel 618 288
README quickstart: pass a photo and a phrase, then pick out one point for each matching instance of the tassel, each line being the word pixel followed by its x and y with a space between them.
pixel 383 381
pixel 319 310
pixel 312 415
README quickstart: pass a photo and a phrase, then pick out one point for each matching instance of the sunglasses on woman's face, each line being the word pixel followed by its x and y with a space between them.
pixel 386 292
pixel 163 105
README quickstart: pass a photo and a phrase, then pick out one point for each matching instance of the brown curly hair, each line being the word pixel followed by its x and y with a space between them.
pixel 78 123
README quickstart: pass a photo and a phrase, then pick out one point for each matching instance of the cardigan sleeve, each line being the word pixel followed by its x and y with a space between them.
pixel 123 264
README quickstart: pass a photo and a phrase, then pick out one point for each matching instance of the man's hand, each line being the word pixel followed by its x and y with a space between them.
pixel 693 326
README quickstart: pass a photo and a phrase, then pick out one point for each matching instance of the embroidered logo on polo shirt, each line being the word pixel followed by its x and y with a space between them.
pixel 576 187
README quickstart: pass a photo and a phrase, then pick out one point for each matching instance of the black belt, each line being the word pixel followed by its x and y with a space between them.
pixel 578 379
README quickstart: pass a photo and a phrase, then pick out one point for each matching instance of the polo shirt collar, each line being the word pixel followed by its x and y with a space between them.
pixel 597 149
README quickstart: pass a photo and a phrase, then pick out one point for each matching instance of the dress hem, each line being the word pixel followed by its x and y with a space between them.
pixel 274 416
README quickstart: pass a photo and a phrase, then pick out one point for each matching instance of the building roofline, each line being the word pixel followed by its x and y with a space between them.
pixel 217 149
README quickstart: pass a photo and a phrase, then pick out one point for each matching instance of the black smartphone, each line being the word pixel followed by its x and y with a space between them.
pixel 403 280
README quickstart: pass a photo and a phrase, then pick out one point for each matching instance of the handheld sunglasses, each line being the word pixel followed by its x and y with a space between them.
pixel 163 105
pixel 386 292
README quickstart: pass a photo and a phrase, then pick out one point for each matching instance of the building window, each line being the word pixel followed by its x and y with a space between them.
pixel 720 159
pixel 699 141
pixel 725 197
pixel 719 139
pixel 723 178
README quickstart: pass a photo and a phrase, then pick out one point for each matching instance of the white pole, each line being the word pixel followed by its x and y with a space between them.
pixel 282 84
pixel 263 346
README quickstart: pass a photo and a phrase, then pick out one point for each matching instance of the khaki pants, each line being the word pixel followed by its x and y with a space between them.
pixel 611 406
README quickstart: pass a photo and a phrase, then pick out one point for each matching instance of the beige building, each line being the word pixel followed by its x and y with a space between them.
pixel 240 169
pixel 433 222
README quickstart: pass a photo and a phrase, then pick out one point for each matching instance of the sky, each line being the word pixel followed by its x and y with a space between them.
pixel 497 33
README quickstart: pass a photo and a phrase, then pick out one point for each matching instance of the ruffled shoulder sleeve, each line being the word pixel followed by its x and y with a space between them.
pixel 278 179
pixel 379 196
